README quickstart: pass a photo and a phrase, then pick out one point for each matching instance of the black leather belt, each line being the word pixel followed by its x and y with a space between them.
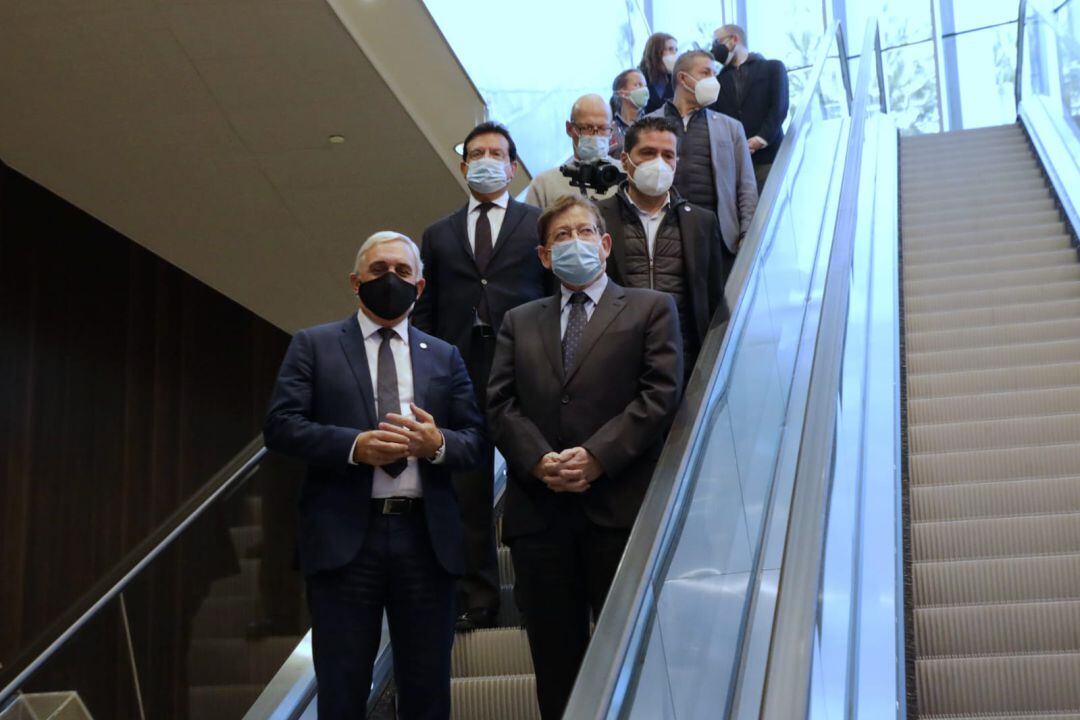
pixel 396 505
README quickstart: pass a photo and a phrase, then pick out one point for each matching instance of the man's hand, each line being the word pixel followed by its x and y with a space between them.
pixel 420 436
pixel 756 143
pixel 578 469
pixel 378 448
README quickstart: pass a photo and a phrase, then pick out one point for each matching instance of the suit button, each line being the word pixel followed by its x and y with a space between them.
pixel 483 281
pixel 565 399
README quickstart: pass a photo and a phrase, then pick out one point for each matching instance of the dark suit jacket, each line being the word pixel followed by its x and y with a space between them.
pixel 763 105
pixel 705 266
pixel 617 402
pixel 447 309
pixel 323 399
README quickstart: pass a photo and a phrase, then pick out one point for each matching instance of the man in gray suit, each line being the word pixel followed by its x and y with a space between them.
pixel 715 169
pixel 583 389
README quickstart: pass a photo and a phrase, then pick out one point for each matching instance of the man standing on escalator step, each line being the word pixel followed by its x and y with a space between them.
pixel 583 390
pixel 480 261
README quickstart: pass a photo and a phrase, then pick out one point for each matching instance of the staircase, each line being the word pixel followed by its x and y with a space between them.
pixel 992 334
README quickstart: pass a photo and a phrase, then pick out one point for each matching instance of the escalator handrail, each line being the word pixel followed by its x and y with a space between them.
pixel 112 583
pixel 607 671
pixel 787 676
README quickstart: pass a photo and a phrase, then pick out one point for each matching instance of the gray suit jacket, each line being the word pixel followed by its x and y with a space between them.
pixel 733 173
pixel 617 402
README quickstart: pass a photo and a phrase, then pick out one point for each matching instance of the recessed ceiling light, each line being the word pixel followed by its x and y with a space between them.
pixel 337 139
pixel 459 148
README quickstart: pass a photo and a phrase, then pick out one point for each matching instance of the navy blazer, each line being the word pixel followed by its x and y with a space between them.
pixel 323 399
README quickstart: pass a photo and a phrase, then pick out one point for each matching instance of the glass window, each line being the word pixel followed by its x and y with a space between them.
pixel 794 39
pixel 530 79
pixel 899 22
pixel 986 63
pixel 691 22
pixel 911 84
pixel 970 14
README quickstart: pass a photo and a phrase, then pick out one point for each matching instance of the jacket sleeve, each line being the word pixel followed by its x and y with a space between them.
pixel 424 313
pixel 289 429
pixel 619 441
pixel 516 436
pixel 778 102
pixel 464 429
pixel 745 183
pixel 717 271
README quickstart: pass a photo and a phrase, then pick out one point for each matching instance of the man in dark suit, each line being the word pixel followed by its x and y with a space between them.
pixel 481 261
pixel 661 241
pixel 382 414
pixel 584 387
pixel 754 91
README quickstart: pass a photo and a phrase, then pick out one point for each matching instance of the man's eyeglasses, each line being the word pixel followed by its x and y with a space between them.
pixel 592 129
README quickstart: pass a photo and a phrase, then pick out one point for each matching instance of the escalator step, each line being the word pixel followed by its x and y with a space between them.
pixel 984 237
pixel 508 697
pixel 994 434
pixel 995 499
pixel 996 537
pixel 1035 214
pixel 995 629
pixel 499 651
pixel 1014 379
pixel 988 200
pixel 1001 580
pixel 1046 461
pixel 506 566
pixel 1054 352
pixel 1026 683
pixel 968 266
pixel 1069 271
pixel 1015 248
pixel 997 335
pixel 996 297
pixel 972 408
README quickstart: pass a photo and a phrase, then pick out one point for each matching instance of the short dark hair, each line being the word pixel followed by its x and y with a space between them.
pixel 560 206
pixel 618 84
pixel 686 59
pixel 486 128
pixel 648 124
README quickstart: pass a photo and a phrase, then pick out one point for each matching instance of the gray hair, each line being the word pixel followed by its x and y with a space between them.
pixel 388 236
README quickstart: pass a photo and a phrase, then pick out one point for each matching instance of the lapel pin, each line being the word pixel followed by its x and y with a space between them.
pixel 686 208
pixel 423 346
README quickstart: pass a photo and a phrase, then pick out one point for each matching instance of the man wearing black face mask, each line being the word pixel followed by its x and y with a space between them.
pixel 754 91
pixel 382 414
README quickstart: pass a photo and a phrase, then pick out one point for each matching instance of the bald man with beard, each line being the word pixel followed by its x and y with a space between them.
pixel 589 129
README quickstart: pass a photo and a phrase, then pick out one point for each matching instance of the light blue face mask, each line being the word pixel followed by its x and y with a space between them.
pixel 486 175
pixel 592 147
pixel 575 262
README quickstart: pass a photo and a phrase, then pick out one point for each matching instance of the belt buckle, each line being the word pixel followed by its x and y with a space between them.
pixel 396 506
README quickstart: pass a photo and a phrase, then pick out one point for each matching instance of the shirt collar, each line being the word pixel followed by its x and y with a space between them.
pixel 368 326
pixel 501 201
pixel 594 291
pixel 663 209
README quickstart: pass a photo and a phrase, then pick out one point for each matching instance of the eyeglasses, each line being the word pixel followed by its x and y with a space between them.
pixel 591 130
pixel 583 232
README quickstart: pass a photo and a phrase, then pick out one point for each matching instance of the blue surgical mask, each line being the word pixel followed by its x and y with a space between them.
pixel 486 175
pixel 592 147
pixel 575 262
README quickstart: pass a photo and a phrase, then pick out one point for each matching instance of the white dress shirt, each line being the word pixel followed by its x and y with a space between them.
pixel 651 223
pixel 495 218
pixel 407 484
pixel 592 293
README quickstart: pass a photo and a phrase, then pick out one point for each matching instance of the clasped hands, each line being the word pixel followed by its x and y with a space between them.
pixel 399 437
pixel 572 470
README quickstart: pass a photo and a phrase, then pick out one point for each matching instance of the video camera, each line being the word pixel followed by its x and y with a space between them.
pixel 600 175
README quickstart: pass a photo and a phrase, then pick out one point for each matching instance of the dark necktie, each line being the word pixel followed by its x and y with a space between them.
pixel 389 402
pixel 482 253
pixel 575 328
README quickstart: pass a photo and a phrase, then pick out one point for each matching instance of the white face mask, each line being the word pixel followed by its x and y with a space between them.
pixel 639 97
pixel 592 147
pixel 706 91
pixel 669 61
pixel 652 177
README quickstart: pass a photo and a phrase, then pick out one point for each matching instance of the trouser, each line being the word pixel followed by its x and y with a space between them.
pixel 478 587
pixel 396 570
pixel 562 576
pixel 761 173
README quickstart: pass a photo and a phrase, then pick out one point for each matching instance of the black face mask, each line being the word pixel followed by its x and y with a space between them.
pixel 719 52
pixel 388 296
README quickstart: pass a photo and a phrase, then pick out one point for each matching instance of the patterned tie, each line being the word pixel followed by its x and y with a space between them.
pixel 389 402
pixel 575 328
pixel 482 252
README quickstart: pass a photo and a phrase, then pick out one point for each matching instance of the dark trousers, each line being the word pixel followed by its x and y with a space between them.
pixel 562 576
pixel 395 570
pixel 479 586
pixel 761 174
